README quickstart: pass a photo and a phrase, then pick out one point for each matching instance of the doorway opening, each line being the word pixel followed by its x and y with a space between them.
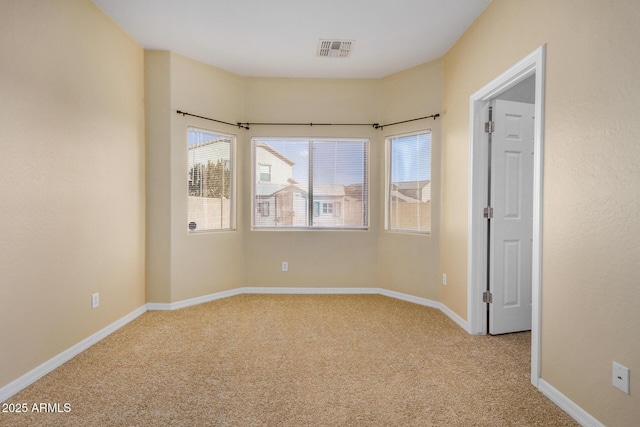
pixel 529 69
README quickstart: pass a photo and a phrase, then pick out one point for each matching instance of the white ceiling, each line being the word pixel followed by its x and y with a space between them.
pixel 279 38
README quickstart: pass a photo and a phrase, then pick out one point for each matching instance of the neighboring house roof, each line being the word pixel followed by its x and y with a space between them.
pixel 209 142
pixel 291 189
pixel 275 152
pixel 410 185
pixel 327 190
pixel 410 189
pixel 395 194
pixel 268 189
pixel 355 191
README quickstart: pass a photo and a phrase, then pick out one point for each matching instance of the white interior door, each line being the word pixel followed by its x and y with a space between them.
pixel 511 230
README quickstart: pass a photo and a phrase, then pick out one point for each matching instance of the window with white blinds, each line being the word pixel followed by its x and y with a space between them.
pixel 317 183
pixel 210 189
pixel 408 189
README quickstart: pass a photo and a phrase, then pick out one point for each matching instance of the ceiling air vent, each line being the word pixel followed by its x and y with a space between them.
pixel 335 48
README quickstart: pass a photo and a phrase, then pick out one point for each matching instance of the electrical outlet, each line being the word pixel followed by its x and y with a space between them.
pixel 95 300
pixel 620 377
pixel 285 266
pixel 444 278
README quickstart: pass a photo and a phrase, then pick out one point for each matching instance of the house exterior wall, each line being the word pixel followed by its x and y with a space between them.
pixel 264 214
pixel 266 191
pixel 200 153
pixel 300 210
pixel 281 171
pixel 426 193
pixel 330 212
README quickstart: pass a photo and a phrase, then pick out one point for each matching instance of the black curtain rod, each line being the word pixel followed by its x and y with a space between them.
pixel 433 116
pixel 375 125
pixel 246 125
pixel 213 120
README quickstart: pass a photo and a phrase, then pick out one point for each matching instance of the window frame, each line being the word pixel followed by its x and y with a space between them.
pixel 232 167
pixel 327 208
pixel 263 173
pixel 264 208
pixel 388 182
pixel 313 206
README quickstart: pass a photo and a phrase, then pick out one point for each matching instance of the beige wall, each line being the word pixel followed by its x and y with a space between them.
pixel 157 69
pixel 182 266
pixel 201 264
pixel 591 267
pixel 185 266
pixel 72 216
pixel 316 258
pixel 410 263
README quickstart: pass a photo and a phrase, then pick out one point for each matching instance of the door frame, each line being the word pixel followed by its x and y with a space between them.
pixel 532 64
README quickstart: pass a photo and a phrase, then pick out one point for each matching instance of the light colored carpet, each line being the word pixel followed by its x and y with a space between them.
pixel 295 360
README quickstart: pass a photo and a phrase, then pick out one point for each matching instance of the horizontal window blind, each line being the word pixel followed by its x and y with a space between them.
pixel 408 192
pixel 210 180
pixel 313 183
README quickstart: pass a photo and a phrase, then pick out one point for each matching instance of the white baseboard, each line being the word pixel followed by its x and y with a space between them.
pixel 309 291
pixel 428 303
pixel 159 306
pixel 152 306
pixel 456 318
pixel 312 291
pixel 35 374
pixel 576 412
pixel 410 298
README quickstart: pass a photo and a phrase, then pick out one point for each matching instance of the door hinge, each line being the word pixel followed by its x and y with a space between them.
pixel 487 212
pixel 489 127
pixel 487 297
